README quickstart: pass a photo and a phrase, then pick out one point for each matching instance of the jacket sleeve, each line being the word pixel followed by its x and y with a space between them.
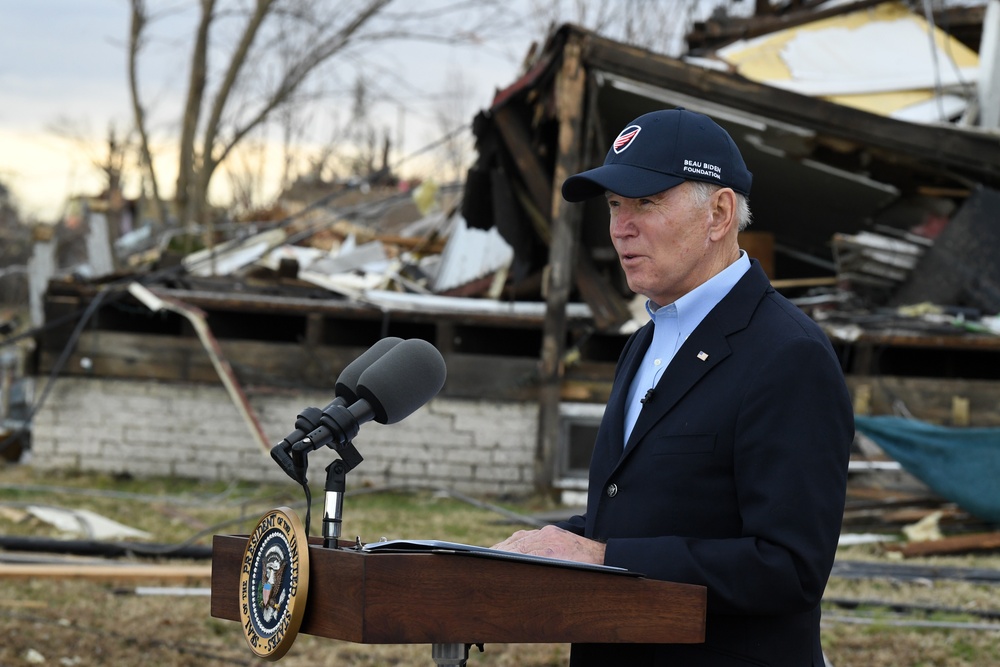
pixel 575 524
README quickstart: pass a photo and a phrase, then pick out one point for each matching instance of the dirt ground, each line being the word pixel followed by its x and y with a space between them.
pixel 87 621
pixel 83 623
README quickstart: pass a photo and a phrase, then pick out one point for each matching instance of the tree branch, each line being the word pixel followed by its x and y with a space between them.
pixel 186 168
pixel 136 27
pixel 291 81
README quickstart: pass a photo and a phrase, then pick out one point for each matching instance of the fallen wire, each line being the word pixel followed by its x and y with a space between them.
pixel 870 570
pixel 911 623
pixel 910 607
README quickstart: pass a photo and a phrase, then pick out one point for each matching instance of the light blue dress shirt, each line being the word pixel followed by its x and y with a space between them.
pixel 672 324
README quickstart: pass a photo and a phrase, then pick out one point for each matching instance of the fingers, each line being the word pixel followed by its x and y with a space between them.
pixel 533 542
pixel 554 542
pixel 508 544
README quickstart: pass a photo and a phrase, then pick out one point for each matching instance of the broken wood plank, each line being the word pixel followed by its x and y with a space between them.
pixel 949 546
pixel 914 514
pixel 887 497
pixel 111 572
pixel 533 175
pixel 224 370
pixel 424 244
pixel 789 283
pixel 23 604
pixel 959 411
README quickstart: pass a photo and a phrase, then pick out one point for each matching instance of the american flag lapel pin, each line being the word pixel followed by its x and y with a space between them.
pixel 703 355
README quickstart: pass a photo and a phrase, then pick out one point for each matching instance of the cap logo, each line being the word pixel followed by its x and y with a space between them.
pixel 703 169
pixel 625 138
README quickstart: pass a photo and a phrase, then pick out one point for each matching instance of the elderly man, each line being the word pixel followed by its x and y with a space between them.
pixel 722 456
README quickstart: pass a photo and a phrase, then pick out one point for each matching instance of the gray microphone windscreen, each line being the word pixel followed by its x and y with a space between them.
pixel 409 375
pixel 347 382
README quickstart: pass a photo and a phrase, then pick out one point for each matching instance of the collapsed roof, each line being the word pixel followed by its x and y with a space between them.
pixel 820 167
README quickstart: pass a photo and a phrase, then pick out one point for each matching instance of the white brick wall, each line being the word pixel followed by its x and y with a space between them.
pixel 195 431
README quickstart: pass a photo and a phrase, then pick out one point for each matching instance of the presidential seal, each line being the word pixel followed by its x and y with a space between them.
pixel 274 583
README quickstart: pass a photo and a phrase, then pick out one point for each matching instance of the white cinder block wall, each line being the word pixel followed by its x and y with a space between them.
pixel 195 431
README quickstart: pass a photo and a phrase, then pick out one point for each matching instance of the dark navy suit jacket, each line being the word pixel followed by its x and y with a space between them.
pixel 734 478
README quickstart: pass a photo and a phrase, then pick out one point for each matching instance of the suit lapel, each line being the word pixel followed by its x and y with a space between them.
pixel 705 349
pixel 627 368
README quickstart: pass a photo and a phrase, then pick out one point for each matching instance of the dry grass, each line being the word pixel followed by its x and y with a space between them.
pixel 86 622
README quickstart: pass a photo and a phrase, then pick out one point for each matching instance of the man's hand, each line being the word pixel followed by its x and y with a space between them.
pixel 553 542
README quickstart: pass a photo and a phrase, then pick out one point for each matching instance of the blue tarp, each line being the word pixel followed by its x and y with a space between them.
pixel 960 464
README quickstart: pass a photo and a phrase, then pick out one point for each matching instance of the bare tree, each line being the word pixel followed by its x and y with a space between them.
pixel 361 132
pixel 15 249
pixel 137 26
pixel 248 64
pixel 451 115
pixel 657 25
pixel 113 162
pixel 245 171
pixel 250 59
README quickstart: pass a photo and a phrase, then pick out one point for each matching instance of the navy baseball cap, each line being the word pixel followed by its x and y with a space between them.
pixel 660 150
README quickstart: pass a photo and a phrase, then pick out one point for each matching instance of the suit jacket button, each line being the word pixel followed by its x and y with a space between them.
pixel 612 490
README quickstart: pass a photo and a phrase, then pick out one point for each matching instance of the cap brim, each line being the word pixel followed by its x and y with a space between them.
pixel 622 179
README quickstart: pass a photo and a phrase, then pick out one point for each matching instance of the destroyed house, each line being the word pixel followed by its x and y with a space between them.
pixel 528 372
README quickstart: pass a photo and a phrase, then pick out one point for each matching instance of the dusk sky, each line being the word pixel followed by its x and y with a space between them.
pixel 57 60
pixel 63 64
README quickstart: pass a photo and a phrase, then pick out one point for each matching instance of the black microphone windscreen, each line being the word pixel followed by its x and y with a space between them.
pixel 409 375
pixel 347 382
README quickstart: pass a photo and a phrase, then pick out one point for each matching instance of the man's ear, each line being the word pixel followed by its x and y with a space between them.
pixel 722 208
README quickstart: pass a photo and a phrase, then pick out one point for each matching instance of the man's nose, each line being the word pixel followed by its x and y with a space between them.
pixel 622 224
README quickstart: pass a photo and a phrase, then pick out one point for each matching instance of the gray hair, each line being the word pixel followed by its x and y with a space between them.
pixel 703 191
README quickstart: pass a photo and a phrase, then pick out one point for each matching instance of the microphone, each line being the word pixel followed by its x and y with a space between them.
pixel 347 382
pixel 309 419
pixel 404 379
pixel 647 397
pixel 408 376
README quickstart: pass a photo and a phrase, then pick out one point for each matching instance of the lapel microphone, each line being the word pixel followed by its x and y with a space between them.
pixel 647 397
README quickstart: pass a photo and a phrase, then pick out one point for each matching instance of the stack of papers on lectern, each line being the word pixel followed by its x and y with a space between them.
pixel 439 546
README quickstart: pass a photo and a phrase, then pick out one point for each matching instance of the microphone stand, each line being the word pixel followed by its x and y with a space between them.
pixel 334 427
pixel 333 503
pixel 336 487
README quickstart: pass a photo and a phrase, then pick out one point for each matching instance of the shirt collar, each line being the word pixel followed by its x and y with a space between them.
pixel 692 308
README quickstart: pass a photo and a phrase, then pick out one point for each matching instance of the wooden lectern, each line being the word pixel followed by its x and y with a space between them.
pixel 459 599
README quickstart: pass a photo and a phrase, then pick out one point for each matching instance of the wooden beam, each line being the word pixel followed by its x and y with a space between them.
pixel 610 310
pixel 569 91
pixel 146 357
